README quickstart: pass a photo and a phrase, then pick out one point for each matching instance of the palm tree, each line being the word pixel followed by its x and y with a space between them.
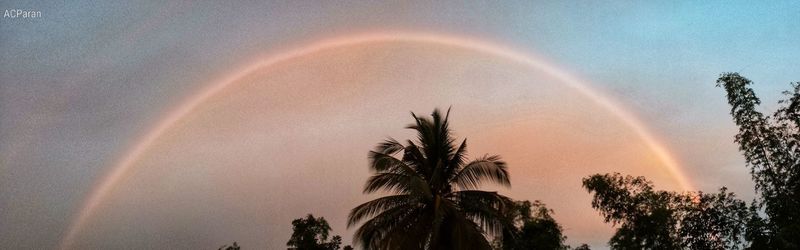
pixel 435 202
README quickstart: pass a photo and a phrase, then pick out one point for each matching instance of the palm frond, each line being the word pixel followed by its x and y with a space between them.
pixel 416 159
pixel 397 183
pixel 382 162
pixel 389 146
pixel 488 209
pixel 424 128
pixel 467 235
pixel 411 233
pixel 373 233
pixel 376 206
pixel 487 168
pixel 456 160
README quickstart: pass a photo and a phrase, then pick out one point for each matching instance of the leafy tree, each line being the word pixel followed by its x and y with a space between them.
pixel 583 247
pixel 312 234
pixel 435 202
pixel 712 221
pixel 534 228
pixel 770 148
pixel 231 247
pixel 653 219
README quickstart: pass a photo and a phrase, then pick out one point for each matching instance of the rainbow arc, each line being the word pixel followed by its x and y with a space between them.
pixel 123 166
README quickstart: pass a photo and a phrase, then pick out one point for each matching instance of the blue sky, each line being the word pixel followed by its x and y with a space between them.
pixel 85 79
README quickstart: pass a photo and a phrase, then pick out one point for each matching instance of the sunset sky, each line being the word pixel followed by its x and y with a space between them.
pixel 193 125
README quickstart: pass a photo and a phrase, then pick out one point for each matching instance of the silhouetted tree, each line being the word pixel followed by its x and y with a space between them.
pixel 232 247
pixel 435 202
pixel 770 148
pixel 534 228
pixel 583 247
pixel 312 234
pixel 651 219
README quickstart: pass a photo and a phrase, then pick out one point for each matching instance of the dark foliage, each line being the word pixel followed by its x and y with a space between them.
pixel 534 228
pixel 770 147
pixel 231 247
pixel 652 219
pixel 583 247
pixel 312 234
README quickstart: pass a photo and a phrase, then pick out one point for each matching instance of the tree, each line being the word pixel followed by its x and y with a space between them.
pixel 654 219
pixel 534 228
pixel 435 202
pixel 583 247
pixel 770 145
pixel 312 234
pixel 231 247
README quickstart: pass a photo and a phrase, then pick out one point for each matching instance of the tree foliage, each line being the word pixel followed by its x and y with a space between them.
pixel 770 148
pixel 311 233
pixel 583 247
pixel 654 219
pixel 434 200
pixel 235 246
pixel 534 228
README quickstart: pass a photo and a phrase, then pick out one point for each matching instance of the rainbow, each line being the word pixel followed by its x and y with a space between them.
pixel 125 163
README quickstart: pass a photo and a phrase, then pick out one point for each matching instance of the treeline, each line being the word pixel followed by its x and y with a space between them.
pixel 435 200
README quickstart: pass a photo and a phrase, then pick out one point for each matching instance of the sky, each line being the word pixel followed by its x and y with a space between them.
pixel 85 82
